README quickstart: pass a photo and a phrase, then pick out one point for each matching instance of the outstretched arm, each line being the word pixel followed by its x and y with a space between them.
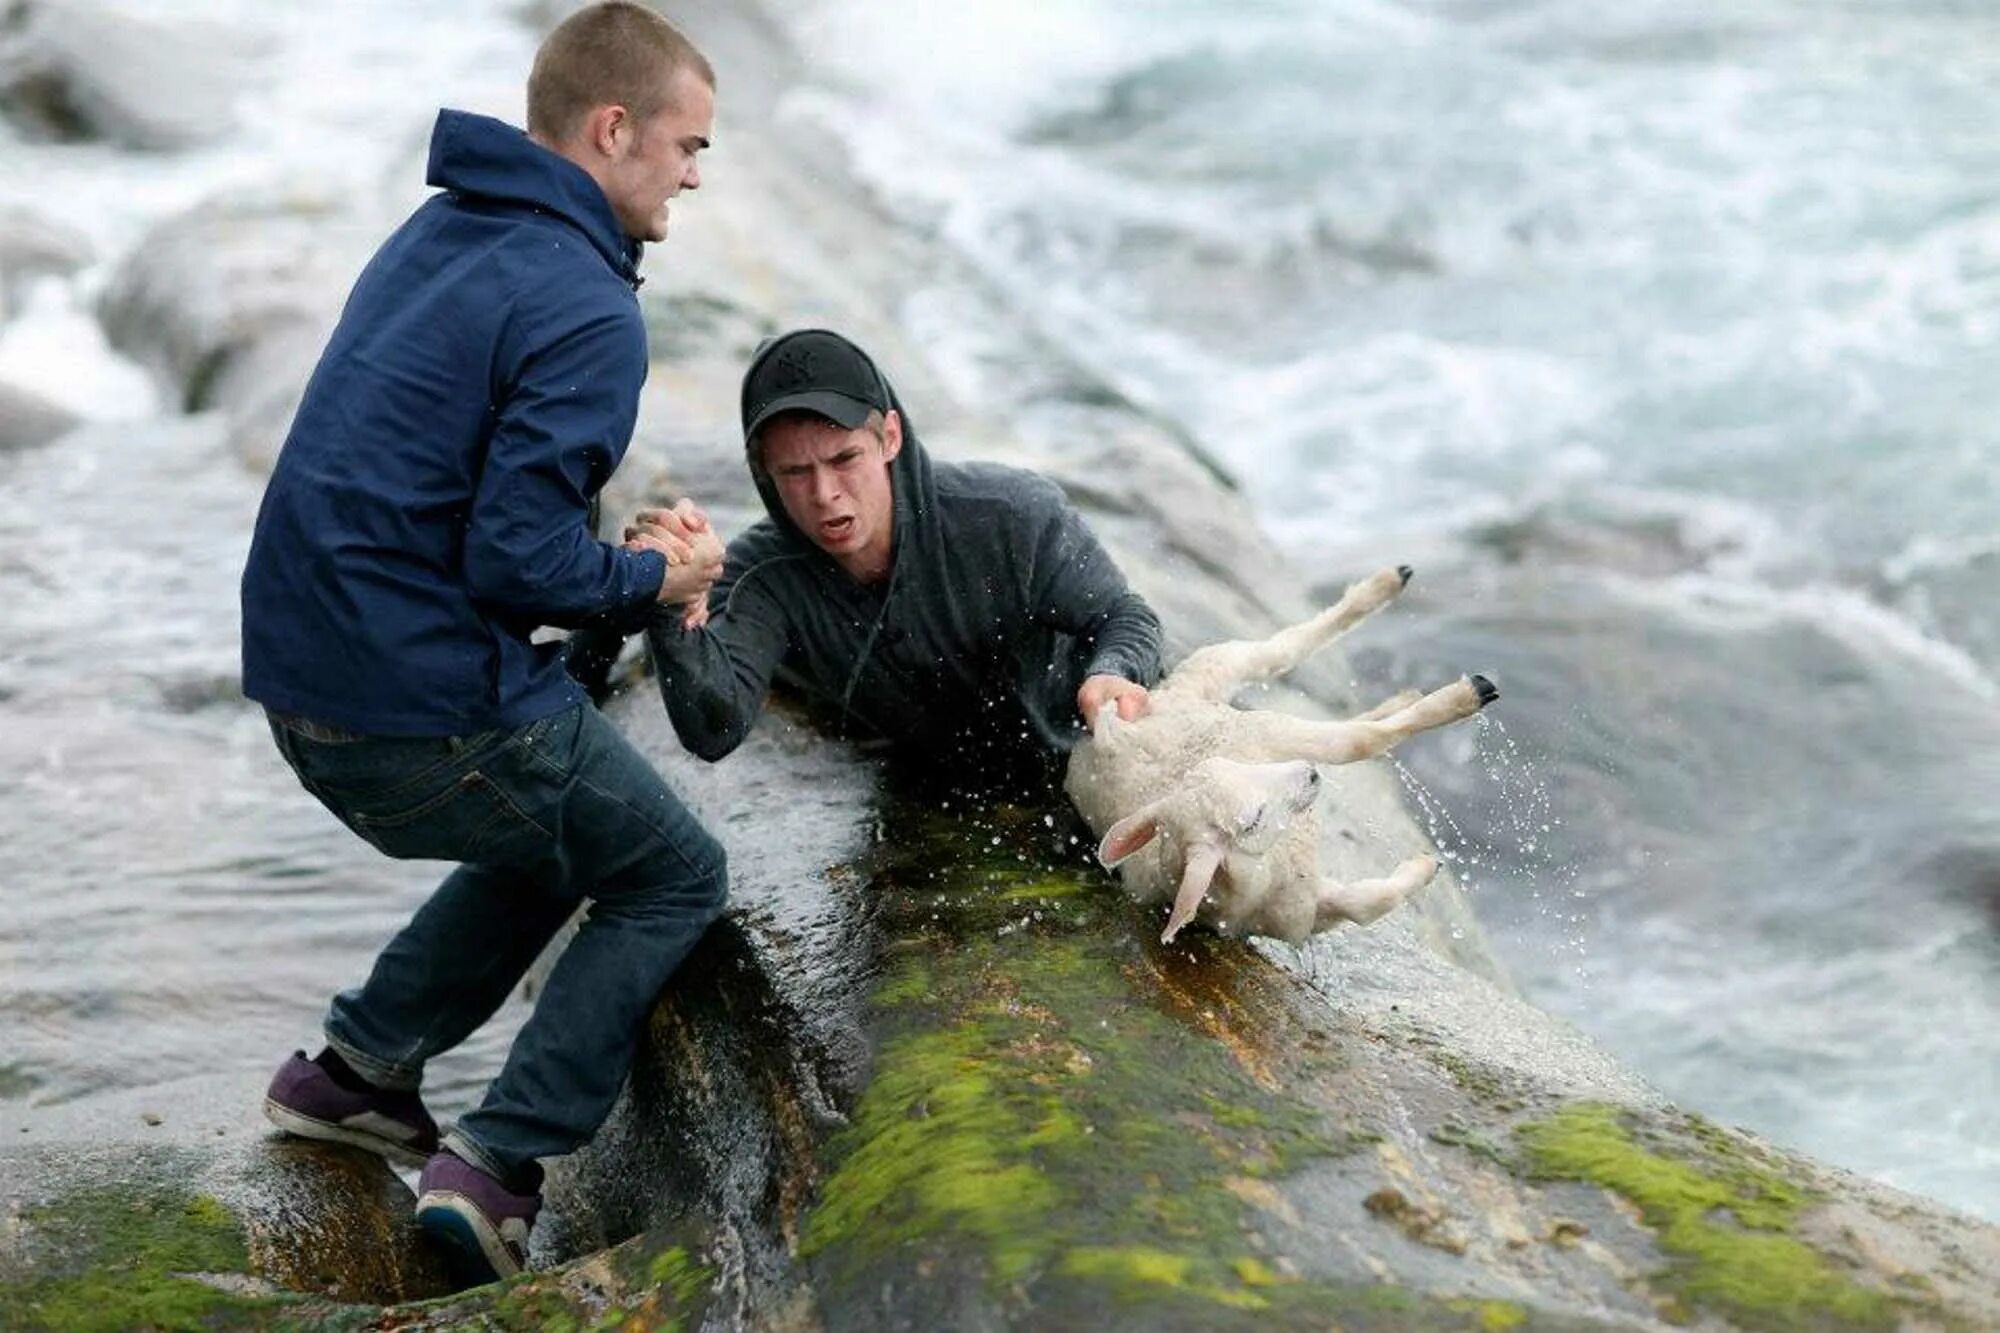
pixel 528 552
pixel 1074 586
pixel 714 676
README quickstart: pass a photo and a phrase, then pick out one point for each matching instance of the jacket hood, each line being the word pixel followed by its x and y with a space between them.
pixel 909 472
pixel 479 155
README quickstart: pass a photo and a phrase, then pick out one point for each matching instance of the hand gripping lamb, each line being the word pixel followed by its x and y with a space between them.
pixel 1212 806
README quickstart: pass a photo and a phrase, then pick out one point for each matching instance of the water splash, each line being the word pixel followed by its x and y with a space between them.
pixel 1515 854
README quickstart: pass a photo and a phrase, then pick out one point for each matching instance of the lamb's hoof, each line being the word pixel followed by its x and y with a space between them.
pixel 1485 689
pixel 1406 574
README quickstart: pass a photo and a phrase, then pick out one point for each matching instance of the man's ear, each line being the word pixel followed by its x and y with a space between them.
pixel 605 128
pixel 892 434
pixel 1128 835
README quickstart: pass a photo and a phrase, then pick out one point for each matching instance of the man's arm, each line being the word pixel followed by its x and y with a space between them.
pixel 563 428
pixel 1074 586
pixel 714 677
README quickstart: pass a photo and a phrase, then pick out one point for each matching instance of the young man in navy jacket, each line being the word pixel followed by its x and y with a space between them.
pixel 426 515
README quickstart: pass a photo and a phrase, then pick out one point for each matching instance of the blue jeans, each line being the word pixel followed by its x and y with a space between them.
pixel 543 818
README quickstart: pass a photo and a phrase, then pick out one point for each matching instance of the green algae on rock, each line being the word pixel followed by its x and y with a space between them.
pixel 651 1282
pixel 1039 1103
pixel 1724 1219
pixel 117 1259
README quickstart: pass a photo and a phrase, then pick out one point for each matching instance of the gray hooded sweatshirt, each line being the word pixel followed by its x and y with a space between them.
pixel 998 605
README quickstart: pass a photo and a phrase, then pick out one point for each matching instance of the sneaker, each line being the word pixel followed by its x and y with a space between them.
pixel 481 1225
pixel 303 1099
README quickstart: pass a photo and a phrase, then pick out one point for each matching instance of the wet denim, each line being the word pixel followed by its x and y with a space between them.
pixel 543 818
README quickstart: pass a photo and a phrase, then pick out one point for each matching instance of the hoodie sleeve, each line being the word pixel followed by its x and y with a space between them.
pixel 529 550
pixel 714 680
pixel 1073 586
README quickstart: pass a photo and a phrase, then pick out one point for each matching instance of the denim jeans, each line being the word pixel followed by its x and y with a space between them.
pixel 561 811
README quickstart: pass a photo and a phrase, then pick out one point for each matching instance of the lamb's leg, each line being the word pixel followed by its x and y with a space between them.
pixel 1366 900
pixel 1272 737
pixel 1395 703
pixel 1219 670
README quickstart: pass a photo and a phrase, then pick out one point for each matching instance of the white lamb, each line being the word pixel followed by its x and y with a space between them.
pixel 1212 806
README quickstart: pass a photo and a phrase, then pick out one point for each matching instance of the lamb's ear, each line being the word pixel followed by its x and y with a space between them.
pixel 1128 835
pixel 1203 860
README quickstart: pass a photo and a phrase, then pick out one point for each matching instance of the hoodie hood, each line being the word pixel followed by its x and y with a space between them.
pixel 478 155
pixel 909 472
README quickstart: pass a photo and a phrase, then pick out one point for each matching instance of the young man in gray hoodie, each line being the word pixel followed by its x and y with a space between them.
pixel 961 612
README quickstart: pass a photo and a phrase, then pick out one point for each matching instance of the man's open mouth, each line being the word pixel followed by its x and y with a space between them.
pixel 837 528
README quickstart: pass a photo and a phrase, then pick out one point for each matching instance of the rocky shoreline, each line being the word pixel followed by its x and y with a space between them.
pixel 933 1070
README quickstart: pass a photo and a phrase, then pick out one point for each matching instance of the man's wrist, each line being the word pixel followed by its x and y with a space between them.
pixel 649 572
pixel 1110 667
pixel 670 618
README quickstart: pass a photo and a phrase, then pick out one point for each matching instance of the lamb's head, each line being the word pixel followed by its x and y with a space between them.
pixel 1222 806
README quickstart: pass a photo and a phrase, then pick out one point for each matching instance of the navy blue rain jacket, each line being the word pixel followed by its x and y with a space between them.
pixel 428 510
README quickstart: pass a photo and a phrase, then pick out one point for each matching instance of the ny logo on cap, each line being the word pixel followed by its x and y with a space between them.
pixel 794 370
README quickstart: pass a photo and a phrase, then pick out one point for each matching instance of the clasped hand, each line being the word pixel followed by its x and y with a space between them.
pixel 693 553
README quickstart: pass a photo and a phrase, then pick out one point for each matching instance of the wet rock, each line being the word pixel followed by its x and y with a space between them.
pixel 698 323
pixel 81 71
pixel 1059 1123
pixel 208 286
pixel 231 303
pixel 28 419
pixel 180 1235
pixel 214 1221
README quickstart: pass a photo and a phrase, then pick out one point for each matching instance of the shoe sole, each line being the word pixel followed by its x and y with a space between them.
pixel 473 1251
pixel 306 1127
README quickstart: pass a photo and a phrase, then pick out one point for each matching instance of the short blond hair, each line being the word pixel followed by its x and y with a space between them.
pixel 616 52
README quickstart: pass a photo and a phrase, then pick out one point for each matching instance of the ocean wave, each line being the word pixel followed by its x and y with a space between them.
pixel 1866 627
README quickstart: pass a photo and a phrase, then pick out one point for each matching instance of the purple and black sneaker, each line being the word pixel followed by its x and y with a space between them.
pixel 305 1100
pixel 480 1224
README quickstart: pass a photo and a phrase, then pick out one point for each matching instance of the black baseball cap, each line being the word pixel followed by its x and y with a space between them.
pixel 812 371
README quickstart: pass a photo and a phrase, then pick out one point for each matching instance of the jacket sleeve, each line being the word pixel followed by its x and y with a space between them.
pixel 529 551
pixel 713 680
pixel 1074 586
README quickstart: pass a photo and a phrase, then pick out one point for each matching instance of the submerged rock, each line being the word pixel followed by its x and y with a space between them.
pixel 33 246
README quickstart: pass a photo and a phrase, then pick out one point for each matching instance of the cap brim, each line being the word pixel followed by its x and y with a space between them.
pixel 847 413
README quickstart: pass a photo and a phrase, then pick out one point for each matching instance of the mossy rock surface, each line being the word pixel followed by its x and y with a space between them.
pixel 1724 1213
pixel 1054 1122
pixel 1045 1119
pixel 276 1233
pixel 122 1258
